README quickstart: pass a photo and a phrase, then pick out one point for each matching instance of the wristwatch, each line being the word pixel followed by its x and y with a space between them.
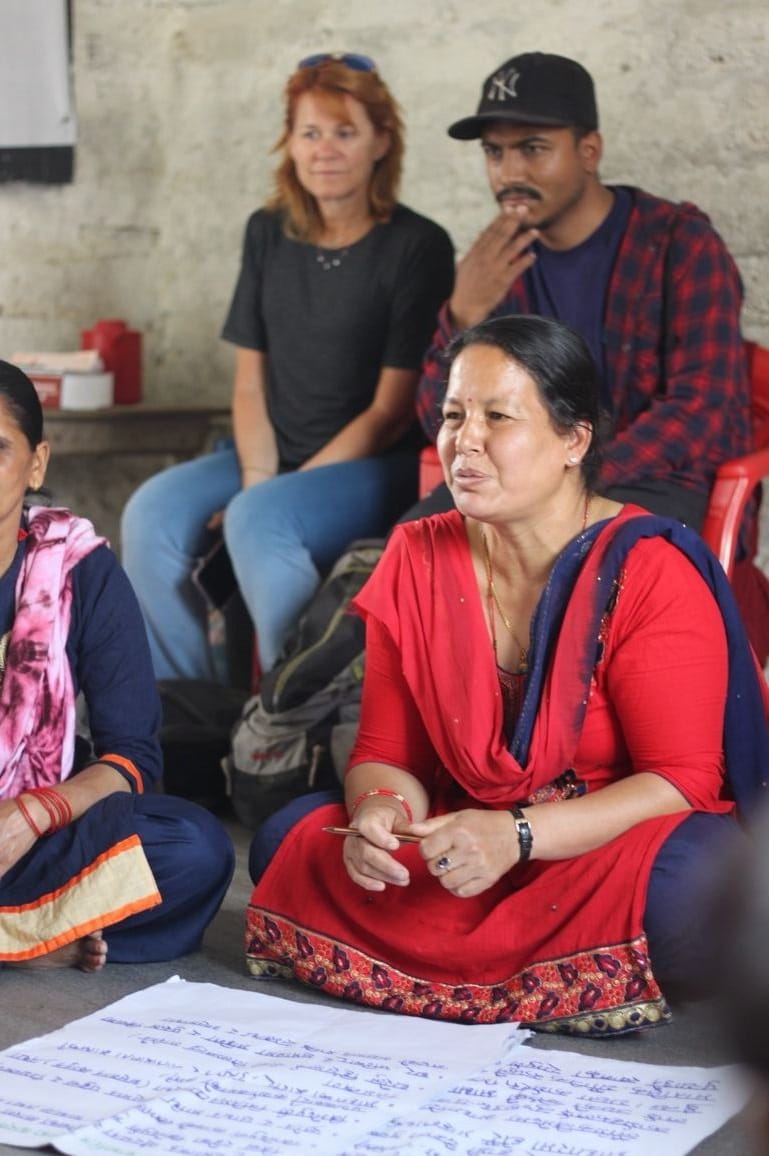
pixel 525 837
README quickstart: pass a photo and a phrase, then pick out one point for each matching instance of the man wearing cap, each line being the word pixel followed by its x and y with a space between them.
pixel 649 284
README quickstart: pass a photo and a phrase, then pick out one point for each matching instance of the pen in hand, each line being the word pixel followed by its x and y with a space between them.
pixel 355 831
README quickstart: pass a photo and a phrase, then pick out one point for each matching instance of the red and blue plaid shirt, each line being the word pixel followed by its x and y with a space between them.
pixel 674 353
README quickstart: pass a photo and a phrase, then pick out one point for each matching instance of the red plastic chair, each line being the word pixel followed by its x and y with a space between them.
pixel 735 480
pixel 430 472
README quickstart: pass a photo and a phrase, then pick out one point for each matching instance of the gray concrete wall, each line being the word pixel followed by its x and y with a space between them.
pixel 179 103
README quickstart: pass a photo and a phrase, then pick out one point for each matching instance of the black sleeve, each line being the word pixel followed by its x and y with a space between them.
pixel 245 325
pixel 425 281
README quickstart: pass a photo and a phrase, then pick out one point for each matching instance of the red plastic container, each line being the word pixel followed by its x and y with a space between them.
pixel 120 349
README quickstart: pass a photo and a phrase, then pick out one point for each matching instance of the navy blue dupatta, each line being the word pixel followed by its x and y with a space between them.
pixel 746 729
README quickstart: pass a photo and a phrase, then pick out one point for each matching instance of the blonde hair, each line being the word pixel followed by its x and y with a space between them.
pixel 333 80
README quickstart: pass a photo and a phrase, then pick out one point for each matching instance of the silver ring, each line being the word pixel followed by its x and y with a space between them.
pixel 443 863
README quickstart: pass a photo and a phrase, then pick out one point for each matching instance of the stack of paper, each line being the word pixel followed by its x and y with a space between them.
pixel 68 380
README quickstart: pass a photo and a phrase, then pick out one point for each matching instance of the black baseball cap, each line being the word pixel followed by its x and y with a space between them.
pixel 533 88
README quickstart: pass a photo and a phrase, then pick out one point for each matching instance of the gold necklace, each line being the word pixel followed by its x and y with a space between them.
pixel 493 600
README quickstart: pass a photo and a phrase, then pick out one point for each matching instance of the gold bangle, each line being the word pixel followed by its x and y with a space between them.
pixel 389 794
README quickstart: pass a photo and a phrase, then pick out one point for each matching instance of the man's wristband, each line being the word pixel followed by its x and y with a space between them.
pixel 525 837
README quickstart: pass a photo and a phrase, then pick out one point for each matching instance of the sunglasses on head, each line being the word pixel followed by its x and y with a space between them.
pixel 350 59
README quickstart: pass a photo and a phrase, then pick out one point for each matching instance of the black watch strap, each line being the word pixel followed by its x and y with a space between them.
pixel 525 837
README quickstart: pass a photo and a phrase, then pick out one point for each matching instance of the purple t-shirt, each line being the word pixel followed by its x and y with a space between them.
pixel 570 285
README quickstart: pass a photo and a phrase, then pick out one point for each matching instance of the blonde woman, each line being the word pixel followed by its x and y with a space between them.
pixel 336 301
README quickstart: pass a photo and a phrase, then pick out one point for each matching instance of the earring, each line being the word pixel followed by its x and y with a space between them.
pixel 573 461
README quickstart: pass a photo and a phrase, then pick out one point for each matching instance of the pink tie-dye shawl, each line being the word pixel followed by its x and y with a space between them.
pixel 37 699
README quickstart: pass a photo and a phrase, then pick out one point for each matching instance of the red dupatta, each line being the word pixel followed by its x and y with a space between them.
pixel 430 604
pixel 427 598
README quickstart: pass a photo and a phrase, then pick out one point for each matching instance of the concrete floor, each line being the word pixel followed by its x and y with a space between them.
pixel 35 1002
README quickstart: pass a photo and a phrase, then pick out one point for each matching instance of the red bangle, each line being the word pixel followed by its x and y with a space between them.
pixel 384 791
pixel 28 817
pixel 56 806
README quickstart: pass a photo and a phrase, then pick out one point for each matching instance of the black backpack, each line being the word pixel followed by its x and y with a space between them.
pixel 198 715
pixel 295 735
pixel 198 718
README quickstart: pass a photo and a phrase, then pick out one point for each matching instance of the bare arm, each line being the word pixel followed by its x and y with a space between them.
pixel 574 826
pixel 81 792
pixel 372 776
pixel 254 435
pixel 379 426
pixel 368 860
pixel 483 845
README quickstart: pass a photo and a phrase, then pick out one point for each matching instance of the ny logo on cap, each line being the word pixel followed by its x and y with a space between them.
pixel 502 85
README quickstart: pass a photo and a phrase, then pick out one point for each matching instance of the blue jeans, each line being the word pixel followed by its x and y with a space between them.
pixel 282 536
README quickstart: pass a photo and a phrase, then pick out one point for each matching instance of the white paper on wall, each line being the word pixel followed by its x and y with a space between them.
pixel 35 95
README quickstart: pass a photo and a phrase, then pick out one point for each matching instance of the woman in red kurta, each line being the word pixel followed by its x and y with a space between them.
pixel 542 779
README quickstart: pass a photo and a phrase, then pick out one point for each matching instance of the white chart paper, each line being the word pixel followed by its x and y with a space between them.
pixel 194 1069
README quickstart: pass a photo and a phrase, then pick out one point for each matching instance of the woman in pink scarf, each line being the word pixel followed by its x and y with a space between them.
pixel 88 859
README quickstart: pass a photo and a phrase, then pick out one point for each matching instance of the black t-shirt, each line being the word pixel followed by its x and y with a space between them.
pixel 328 332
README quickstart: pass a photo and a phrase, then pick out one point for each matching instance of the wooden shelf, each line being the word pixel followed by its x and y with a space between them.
pixel 135 429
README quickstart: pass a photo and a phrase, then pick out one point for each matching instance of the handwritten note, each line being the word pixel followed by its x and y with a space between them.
pixel 191 1068
pixel 560 1103
pixel 196 1069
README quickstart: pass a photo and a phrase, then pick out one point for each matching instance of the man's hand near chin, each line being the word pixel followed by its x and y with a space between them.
pixel 496 259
